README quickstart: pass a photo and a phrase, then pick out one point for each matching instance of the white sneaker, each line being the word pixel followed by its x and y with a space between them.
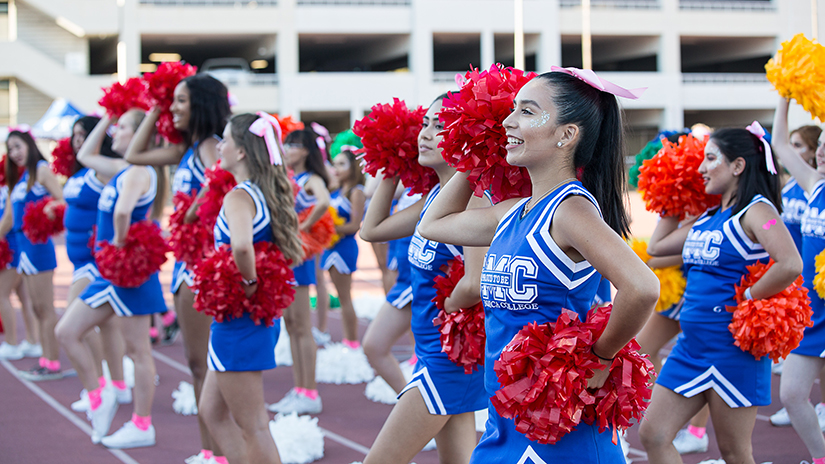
pixel 321 338
pixel 123 396
pixel 820 414
pixel 686 442
pixel 10 352
pixel 197 459
pixel 81 405
pixel 781 418
pixel 30 350
pixel 129 436
pixel 302 404
pixel 102 416
pixel 285 401
pixel 776 368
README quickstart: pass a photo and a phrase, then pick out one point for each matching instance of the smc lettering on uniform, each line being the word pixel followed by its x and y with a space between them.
pixel 814 222
pixel 422 252
pixel 702 247
pixel 504 282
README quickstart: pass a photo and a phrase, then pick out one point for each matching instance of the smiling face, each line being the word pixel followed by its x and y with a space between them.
pixel 532 131
pixel 719 174
pixel 181 108
pixel 429 153
pixel 124 131
pixel 18 150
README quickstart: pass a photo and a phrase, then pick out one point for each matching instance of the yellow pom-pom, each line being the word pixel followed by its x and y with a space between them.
pixel 338 221
pixel 819 278
pixel 671 287
pixel 640 247
pixel 796 72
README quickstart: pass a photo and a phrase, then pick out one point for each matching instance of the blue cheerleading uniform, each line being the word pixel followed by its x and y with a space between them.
pixel 527 278
pixel 443 385
pixel 344 254
pixel 34 258
pixel 137 301
pixel 794 204
pixel 81 192
pixel 239 344
pixel 717 252
pixel 189 177
pixel 305 272
pixel 813 242
pixel 11 235
pixel 401 293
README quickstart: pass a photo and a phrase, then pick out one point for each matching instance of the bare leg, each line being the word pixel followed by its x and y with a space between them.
pixel 734 427
pixel 214 411
pixel 92 338
pixel 32 324
pixel 298 322
pixel 78 320
pixel 798 375
pixel 9 278
pixel 41 291
pixel 667 413
pixel 654 335
pixel 114 347
pixel 135 331
pixel 244 395
pixel 388 326
pixel 321 296
pixel 343 284
pixel 387 277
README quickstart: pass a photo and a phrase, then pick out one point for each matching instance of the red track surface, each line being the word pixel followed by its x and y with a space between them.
pixel 34 427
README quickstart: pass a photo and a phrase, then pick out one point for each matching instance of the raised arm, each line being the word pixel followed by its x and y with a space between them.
pixel 240 210
pixel 47 179
pixel 805 175
pixel 467 291
pixel 379 226
pixel 448 220
pixel 137 153
pixel 89 154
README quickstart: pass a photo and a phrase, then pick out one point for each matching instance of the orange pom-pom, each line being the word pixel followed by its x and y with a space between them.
pixel 142 254
pixel 772 326
pixel 288 124
pixel 63 157
pixel 670 181
pixel 320 234
pixel 42 219
pixel 796 72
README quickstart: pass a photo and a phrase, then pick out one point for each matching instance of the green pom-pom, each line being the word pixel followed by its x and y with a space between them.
pixel 344 138
pixel 649 151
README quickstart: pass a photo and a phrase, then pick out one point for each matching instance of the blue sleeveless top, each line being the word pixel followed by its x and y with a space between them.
pixel 81 192
pixel 21 196
pixel 794 203
pixel 109 197
pixel 716 253
pixel 813 242
pixel 303 200
pixel 261 223
pixel 189 174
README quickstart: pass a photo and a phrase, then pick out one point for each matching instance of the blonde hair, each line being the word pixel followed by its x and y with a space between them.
pixel 274 184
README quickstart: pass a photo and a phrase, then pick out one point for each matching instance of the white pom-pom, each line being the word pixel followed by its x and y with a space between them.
pixel 129 372
pixel 298 438
pixel 379 390
pixel 367 307
pixel 338 363
pixel 283 351
pixel 481 420
pixel 185 403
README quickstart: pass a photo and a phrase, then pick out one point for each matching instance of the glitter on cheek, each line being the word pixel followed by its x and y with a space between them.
pixel 545 118
pixel 714 164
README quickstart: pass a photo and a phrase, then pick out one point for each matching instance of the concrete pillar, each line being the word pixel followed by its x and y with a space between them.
pixel 670 65
pixel 128 39
pixel 488 49
pixel 421 49
pixel 288 60
pixel 549 52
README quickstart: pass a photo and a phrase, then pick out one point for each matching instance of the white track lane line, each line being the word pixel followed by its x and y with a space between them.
pixel 331 435
pixel 48 399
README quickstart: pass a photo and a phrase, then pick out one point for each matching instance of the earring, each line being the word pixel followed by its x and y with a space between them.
pixel 559 144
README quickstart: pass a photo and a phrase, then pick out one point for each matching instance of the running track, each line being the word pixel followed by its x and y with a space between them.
pixel 37 426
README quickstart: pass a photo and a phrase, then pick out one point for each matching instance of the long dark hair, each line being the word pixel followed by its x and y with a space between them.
pixel 208 107
pixel 755 179
pixel 88 124
pixel 315 160
pixel 274 184
pixel 599 150
pixel 32 158
pixel 356 177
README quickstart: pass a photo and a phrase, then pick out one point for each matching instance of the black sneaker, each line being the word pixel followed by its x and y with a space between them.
pixel 38 373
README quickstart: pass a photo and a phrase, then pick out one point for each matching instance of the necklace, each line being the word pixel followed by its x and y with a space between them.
pixel 527 206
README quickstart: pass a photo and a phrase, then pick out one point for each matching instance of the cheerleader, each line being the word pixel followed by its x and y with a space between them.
pixel 804 363
pixel 540 250
pixel 199 110
pixel 340 261
pixel 440 399
pixel 393 318
pixel 36 261
pixel 304 158
pixel 82 192
pixel 705 367
pixel 129 197
pixel 260 208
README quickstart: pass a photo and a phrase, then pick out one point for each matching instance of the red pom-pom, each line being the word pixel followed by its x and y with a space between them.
pixel 189 242
pixel 773 326
pixel 63 157
pixel 390 137
pixel 42 219
pixel 544 371
pixel 218 183
pixel 142 254
pixel 320 234
pixel 161 88
pixel 219 292
pixel 287 125
pixel 474 137
pixel 120 98
pixel 670 181
pixel 462 332
pixel 6 255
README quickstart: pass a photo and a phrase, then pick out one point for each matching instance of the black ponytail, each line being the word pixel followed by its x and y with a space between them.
pixel 599 151
pixel 755 179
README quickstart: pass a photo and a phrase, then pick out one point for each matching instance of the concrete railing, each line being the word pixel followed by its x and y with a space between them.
pixel 355 2
pixel 231 3
pixel 618 4
pixel 727 5
pixel 724 78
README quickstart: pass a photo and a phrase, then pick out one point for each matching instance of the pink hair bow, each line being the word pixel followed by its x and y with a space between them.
pixel 756 129
pixel 321 140
pixel 24 128
pixel 591 79
pixel 269 128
